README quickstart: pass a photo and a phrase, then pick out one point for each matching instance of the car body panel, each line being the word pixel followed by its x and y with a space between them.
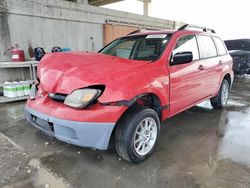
pixel 128 81
pixel 216 69
pixel 97 113
pixel 177 87
pixel 187 86
pixel 65 72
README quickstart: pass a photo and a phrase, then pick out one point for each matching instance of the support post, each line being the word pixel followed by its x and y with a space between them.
pixel 146 7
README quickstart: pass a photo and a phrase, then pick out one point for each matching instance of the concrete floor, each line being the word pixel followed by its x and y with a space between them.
pixel 198 148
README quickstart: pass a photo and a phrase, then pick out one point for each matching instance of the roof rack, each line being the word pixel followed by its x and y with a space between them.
pixel 187 26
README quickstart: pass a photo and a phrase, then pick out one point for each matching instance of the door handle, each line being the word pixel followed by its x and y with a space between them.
pixel 201 67
pixel 220 62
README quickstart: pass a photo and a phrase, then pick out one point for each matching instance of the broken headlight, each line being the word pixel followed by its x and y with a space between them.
pixel 82 97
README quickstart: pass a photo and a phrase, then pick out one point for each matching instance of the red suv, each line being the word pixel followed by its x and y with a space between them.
pixel 129 87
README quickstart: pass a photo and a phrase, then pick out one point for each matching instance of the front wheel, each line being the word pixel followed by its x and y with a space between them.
pixel 220 100
pixel 136 134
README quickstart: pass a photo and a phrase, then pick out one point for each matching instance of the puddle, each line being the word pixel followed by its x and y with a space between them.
pixel 235 143
pixel 43 177
pixel 236 103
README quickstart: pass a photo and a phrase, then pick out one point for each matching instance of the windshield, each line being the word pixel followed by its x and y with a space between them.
pixel 140 47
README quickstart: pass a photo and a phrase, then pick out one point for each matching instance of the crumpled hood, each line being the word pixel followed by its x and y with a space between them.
pixel 65 72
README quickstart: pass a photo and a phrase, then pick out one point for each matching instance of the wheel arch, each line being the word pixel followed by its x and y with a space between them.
pixel 150 100
pixel 228 78
pixel 140 100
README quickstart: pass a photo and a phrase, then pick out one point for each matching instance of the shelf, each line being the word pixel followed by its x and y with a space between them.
pixel 7 99
pixel 27 81
pixel 31 65
pixel 18 64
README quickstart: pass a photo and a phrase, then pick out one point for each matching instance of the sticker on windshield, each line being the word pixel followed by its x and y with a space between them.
pixel 156 36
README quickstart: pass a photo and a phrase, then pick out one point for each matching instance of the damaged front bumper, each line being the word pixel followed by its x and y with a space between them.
pixel 85 134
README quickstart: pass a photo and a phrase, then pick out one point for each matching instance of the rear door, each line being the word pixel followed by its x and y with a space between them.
pixel 222 60
pixel 211 61
pixel 187 81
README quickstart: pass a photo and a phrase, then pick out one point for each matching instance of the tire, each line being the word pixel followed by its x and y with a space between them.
pixel 220 100
pixel 131 131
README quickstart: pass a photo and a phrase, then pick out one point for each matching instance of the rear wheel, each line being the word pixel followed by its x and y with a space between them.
pixel 220 101
pixel 137 134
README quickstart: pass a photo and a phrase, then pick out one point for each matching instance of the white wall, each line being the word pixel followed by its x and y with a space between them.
pixel 48 33
pixel 49 23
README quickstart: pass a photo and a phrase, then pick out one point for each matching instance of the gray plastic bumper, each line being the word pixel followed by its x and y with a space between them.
pixel 86 134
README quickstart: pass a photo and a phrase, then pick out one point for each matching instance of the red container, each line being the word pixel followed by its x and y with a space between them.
pixel 17 55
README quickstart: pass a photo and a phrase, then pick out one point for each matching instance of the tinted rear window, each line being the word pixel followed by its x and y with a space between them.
pixel 207 47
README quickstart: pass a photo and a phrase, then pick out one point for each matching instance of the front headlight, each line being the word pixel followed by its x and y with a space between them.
pixel 82 97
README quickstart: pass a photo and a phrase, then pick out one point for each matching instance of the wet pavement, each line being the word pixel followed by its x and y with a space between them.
pixel 200 147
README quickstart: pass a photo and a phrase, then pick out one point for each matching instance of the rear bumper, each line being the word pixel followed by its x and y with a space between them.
pixel 85 134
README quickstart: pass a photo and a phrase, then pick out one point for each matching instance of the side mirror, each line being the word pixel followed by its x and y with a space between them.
pixel 182 58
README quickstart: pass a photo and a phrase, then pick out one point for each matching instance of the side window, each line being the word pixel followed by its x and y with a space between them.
pixel 220 46
pixel 207 47
pixel 187 44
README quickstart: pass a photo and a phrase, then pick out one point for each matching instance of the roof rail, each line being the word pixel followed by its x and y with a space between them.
pixel 187 26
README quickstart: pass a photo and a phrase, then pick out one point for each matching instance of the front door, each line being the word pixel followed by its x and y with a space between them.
pixel 187 81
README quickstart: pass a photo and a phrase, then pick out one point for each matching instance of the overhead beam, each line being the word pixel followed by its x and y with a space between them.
pixel 102 2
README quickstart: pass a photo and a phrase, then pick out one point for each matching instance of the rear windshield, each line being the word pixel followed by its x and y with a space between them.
pixel 140 47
